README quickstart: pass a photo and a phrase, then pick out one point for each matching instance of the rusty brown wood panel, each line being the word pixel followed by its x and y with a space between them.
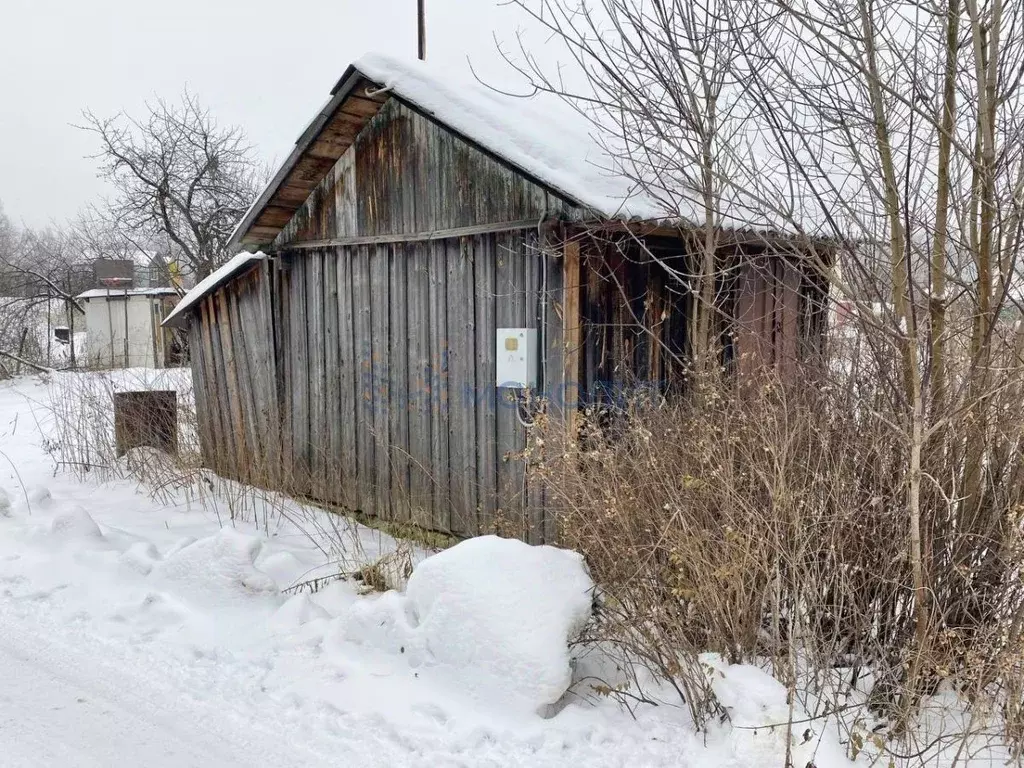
pixel 559 381
pixel 533 512
pixel 789 322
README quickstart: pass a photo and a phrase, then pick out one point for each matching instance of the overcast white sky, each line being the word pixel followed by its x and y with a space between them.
pixel 266 65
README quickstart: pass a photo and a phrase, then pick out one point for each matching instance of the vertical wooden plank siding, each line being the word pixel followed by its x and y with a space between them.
pixel 231 378
pixel 332 483
pixel 398 383
pixel 789 324
pixel 438 324
pixel 362 335
pixel 200 375
pixel 420 374
pixel 462 363
pixel 347 377
pixel 239 332
pixel 380 293
pixel 298 372
pixel 224 448
pixel 484 267
pixel 283 357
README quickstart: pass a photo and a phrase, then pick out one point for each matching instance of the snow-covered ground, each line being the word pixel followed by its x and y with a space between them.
pixel 138 632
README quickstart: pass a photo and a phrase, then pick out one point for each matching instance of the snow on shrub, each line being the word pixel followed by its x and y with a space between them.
pixel 496 615
pixel 758 712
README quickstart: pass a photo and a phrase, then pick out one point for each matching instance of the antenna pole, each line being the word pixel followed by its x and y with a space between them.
pixel 421 25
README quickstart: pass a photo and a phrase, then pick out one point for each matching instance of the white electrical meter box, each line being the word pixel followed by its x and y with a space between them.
pixel 516 357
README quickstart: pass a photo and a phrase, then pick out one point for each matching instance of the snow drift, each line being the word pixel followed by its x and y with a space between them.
pixel 496 614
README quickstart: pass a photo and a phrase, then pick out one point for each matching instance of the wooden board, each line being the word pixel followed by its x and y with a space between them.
pixel 333 480
pixel 420 381
pixel 438 325
pixel 346 428
pixel 462 365
pixel 398 384
pixel 484 268
pixel 380 293
pixel 362 334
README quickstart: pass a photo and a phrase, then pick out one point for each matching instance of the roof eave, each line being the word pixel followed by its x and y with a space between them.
pixel 342 90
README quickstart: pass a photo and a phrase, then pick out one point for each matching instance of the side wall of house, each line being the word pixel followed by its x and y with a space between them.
pixel 388 401
pixel 380 343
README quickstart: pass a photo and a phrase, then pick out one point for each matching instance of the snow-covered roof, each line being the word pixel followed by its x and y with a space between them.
pixel 102 293
pixel 211 282
pixel 542 137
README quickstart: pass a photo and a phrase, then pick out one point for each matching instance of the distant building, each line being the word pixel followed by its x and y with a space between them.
pixel 123 328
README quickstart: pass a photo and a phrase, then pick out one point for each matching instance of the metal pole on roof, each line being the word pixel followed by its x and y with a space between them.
pixel 126 326
pixel 421 25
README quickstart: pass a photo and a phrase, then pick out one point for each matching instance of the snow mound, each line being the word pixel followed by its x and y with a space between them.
pixel 5 504
pixel 140 557
pixel 496 614
pixel 77 524
pixel 218 568
pixel 295 612
pixel 39 497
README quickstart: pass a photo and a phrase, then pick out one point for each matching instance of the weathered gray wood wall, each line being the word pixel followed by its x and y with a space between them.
pixel 382 360
pixel 234 373
pixel 407 175
pixel 389 396
pixel 358 366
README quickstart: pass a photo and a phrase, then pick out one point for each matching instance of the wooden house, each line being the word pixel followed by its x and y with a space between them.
pixel 424 241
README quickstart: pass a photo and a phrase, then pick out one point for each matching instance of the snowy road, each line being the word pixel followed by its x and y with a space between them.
pixel 62 706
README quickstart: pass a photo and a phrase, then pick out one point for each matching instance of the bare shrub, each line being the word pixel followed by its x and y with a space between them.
pixel 765 522
pixel 83 443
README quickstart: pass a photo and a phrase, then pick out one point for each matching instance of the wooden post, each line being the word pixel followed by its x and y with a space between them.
pixel 421 29
pixel 571 333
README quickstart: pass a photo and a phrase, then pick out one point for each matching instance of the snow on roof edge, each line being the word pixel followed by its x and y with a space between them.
pixel 212 281
pixel 99 293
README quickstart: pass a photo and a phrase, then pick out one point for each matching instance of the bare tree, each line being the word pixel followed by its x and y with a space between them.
pixel 889 135
pixel 179 177
pixel 40 275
